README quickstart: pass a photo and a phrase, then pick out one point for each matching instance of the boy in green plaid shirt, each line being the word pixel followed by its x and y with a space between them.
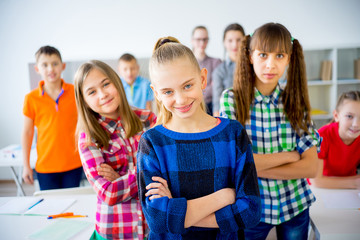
pixel 278 123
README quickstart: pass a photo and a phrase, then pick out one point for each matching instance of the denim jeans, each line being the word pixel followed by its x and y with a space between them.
pixel 67 179
pixel 294 229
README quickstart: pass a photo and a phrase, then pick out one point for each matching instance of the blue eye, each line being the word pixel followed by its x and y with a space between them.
pixel 188 86
pixel 168 92
pixel 91 92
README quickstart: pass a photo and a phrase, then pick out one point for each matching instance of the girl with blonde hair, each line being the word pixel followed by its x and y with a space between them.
pixel 209 188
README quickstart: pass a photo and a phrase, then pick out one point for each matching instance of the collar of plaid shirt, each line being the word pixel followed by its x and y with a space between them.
pixel 273 98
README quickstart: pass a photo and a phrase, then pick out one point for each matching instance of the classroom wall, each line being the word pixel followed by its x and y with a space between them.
pixel 93 29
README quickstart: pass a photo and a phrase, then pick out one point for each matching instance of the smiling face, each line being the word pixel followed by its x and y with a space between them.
pixel 232 42
pixel 348 116
pixel 268 68
pixel 178 86
pixel 101 95
pixel 50 67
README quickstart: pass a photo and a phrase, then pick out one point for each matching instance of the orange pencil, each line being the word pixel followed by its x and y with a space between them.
pixel 61 215
pixel 75 216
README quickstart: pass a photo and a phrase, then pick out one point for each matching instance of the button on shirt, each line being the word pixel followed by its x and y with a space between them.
pixel 270 132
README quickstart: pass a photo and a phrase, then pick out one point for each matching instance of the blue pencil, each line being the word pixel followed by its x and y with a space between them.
pixel 36 203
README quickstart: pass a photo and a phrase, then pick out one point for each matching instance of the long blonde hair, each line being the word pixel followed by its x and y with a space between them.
pixel 269 38
pixel 169 49
pixel 88 119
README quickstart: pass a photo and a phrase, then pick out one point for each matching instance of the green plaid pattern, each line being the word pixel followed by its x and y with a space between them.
pixel 271 132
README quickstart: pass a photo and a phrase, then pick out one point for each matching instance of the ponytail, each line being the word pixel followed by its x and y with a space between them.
pixel 162 41
pixel 244 82
pixel 166 50
pixel 295 96
pixel 272 37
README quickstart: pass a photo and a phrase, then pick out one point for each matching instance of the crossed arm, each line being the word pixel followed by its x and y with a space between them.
pixel 287 165
pixel 200 212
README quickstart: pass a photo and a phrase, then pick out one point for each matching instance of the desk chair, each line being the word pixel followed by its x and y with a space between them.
pixel 66 191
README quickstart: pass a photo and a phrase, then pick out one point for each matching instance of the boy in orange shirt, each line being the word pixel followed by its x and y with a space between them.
pixel 51 108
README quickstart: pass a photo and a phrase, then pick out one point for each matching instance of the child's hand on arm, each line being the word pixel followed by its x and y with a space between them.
pixel 158 189
pixel 196 207
pixel 200 211
pixel 107 172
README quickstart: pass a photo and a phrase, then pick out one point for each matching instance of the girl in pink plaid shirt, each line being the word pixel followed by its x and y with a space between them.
pixel 108 134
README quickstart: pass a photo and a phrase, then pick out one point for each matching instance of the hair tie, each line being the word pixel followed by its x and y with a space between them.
pixel 166 40
pixel 251 34
pixel 292 39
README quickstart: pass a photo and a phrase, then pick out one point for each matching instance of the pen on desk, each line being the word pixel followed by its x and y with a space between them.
pixel 67 214
pixel 36 203
pixel 75 216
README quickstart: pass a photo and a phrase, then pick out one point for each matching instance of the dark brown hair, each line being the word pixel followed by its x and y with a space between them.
pixel 273 37
pixel 234 27
pixel 47 50
pixel 127 57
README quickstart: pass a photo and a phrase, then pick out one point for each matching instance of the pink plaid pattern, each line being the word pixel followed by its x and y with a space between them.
pixel 118 214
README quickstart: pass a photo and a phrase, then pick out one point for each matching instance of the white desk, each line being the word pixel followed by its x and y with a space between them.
pixel 12 157
pixel 19 227
pixel 334 223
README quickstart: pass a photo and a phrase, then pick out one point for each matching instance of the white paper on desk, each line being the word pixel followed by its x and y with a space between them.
pixel 18 205
pixel 51 206
pixel 61 229
pixel 343 200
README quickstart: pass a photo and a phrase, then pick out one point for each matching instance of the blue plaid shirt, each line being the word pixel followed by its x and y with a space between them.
pixel 196 165
pixel 270 132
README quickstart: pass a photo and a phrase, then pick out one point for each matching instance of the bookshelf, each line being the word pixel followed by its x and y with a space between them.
pixel 324 93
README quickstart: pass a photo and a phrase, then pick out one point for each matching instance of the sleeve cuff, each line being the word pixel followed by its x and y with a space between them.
pixel 176 215
pixel 226 220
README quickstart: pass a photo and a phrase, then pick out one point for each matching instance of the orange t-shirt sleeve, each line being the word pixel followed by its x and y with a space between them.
pixel 28 109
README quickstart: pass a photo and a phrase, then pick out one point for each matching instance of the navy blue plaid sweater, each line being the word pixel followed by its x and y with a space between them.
pixel 195 165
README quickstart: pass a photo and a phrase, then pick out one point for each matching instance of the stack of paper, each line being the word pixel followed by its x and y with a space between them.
pixel 48 206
